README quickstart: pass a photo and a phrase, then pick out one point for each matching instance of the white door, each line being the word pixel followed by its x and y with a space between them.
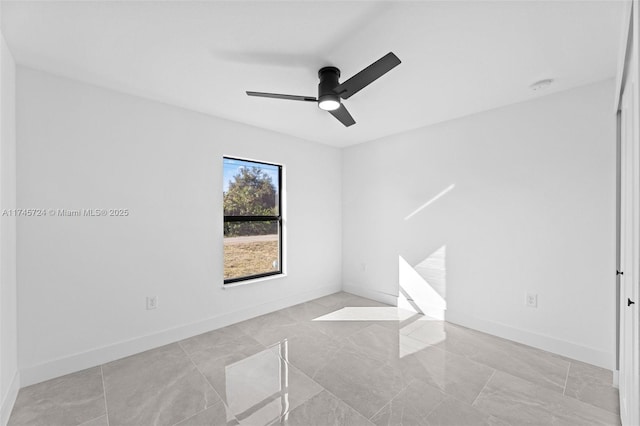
pixel 629 254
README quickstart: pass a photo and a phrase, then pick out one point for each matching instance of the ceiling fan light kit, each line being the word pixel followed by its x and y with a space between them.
pixel 330 90
pixel 328 100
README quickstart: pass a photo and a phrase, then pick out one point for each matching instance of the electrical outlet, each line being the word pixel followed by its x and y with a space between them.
pixel 152 302
pixel 531 300
pixel 363 267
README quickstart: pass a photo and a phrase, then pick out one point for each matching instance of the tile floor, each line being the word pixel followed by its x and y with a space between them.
pixel 338 360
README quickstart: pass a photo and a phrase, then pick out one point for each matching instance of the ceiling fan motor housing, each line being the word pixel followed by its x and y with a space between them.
pixel 329 80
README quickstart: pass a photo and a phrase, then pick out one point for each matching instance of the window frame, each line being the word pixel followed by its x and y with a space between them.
pixel 247 219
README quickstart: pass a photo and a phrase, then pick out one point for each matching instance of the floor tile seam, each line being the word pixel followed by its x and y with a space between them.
pixel 391 400
pixel 104 394
pixel 380 409
pixel 436 406
pixel 348 339
pixel 356 347
pixel 471 360
pixel 429 345
pixel 520 346
pixel 95 418
pixel 555 389
pixel 579 402
pixel 344 402
pixel 301 371
pixel 219 356
pixel 593 379
pixel 566 380
pixel 183 420
pixel 248 332
pixel 328 391
pixel 484 387
pixel 560 397
pixel 418 328
pixel 307 376
pixel 449 397
pixel 446 394
pixel 479 409
pixel 315 303
pixel 327 360
pixel 584 377
pixel 592 405
pixel 206 380
pixel 201 411
pixel 380 363
pixel 230 338
pixel 345 337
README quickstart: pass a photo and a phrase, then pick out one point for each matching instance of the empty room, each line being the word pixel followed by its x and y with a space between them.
pixel 319 213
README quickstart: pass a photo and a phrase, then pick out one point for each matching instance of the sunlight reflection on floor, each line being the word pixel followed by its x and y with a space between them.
pixel 257 387
pixel 354 313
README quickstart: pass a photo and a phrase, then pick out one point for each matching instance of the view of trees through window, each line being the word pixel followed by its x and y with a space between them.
pixel 252 219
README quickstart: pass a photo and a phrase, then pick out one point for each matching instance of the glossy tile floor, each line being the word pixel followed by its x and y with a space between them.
pixel 338 360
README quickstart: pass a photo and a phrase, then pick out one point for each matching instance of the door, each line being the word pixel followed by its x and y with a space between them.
pixel 629 252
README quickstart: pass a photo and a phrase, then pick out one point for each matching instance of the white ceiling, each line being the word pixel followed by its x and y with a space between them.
pixel 458 58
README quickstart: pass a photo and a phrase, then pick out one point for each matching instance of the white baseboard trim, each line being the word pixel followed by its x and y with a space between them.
pixel 378 296
pixel 9 399
pixel 70 364
pixel 551 344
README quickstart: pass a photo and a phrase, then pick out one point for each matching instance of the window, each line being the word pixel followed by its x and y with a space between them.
pixel 252 219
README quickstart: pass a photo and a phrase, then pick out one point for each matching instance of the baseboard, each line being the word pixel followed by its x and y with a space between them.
pixel 548 343
pixel 9 399
pixel 551 344
pixel 102 355
pixel 378 296
pixel 616 379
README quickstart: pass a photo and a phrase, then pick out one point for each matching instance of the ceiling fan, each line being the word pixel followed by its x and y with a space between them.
pixel 330 90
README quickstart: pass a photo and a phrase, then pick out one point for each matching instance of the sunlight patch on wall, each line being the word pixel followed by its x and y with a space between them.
pixel 423 288
pixel 421 305
pixel 432 200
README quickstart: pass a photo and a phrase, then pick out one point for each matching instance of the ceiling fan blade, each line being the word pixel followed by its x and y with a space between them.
pixel 367 76
pixel 343 116
pixel 279 96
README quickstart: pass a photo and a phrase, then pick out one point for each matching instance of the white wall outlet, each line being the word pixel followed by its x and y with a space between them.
pixel 531 300
pixel 363 267
pixel 152 302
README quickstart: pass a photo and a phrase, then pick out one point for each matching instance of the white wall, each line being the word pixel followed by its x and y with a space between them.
pixel 532 208
pixel 9 378
pixel 83 280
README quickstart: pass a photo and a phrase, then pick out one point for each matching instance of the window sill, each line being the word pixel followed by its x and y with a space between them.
pixel 253 281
